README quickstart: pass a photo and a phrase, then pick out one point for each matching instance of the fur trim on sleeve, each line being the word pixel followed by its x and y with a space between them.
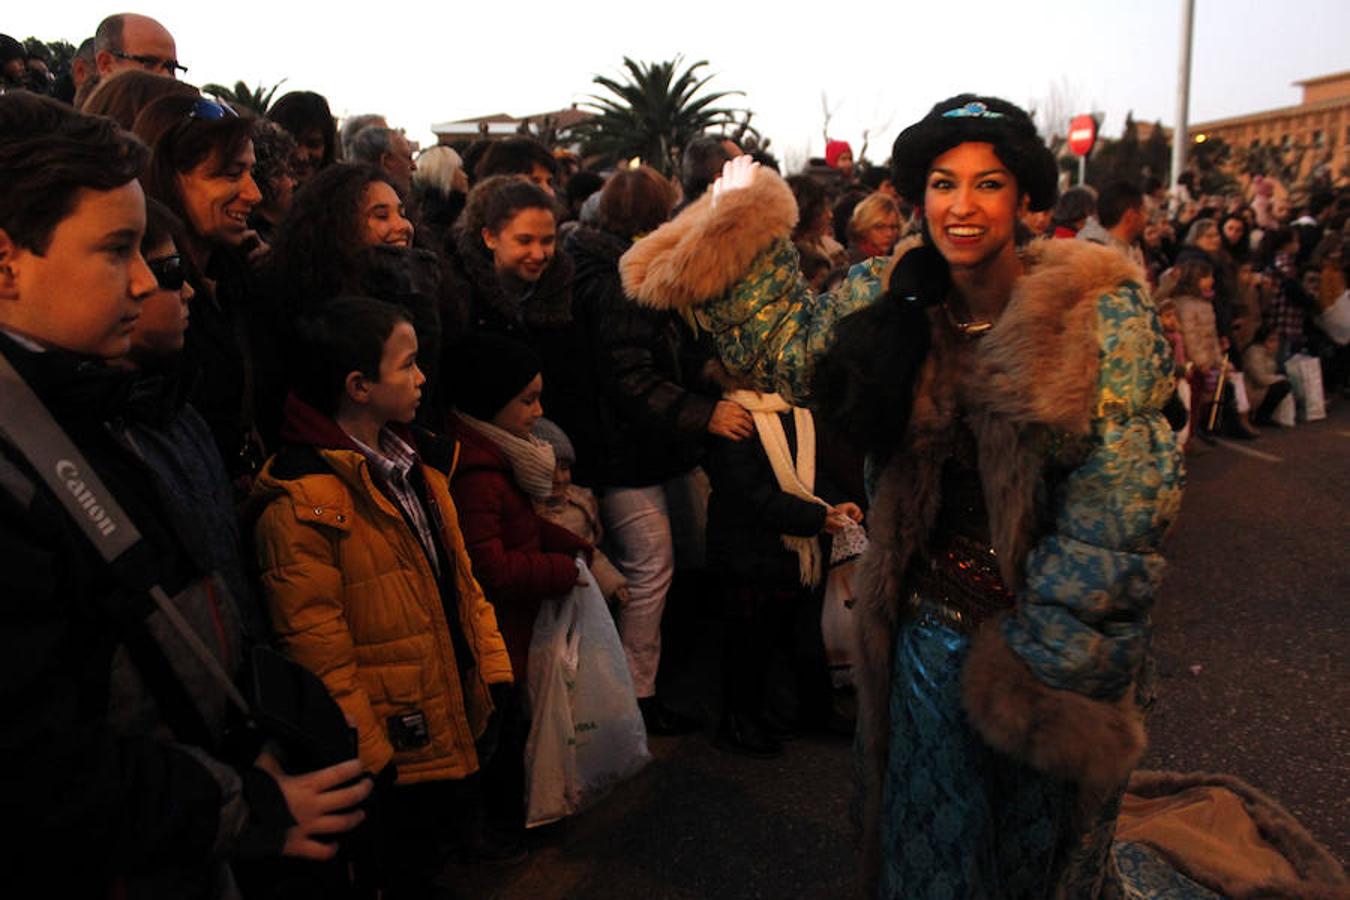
pixel 702 252
pixel 1094 743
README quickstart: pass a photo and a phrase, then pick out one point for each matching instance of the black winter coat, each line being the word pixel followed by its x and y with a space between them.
pixel 655 401
pixel 748 513
pixel 93 795
pixel 546 320
pixel 238 377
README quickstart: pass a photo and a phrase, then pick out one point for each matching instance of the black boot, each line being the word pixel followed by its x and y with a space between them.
pixel 663 721
pixel 740 733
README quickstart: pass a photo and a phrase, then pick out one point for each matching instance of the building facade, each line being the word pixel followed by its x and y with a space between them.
pixel 1314 133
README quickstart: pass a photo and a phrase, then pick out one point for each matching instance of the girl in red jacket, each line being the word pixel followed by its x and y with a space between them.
pixel 519 558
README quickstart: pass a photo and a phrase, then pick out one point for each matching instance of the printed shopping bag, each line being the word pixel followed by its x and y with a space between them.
pixel 586 732
pixel 1305 377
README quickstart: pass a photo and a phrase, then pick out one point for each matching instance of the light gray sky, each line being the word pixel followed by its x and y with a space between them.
pixel 881 64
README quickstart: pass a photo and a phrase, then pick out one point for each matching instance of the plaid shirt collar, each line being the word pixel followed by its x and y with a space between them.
pixel 393 461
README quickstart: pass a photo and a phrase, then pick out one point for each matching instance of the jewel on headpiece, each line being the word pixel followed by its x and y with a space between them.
pixel 973 109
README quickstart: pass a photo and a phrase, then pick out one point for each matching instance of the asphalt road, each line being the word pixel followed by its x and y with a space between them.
pixel 1250 641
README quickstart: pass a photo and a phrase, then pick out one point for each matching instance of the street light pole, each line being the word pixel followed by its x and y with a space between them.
pixel 1180 136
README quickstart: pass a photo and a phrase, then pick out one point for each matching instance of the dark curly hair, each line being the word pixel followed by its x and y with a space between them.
pixel 318 252
pixel 969 118
pixel 48 154
pixel 494 202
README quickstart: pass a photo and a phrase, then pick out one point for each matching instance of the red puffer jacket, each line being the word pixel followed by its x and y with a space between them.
pixel 518 557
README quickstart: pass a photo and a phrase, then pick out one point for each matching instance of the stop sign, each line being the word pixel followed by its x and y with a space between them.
pixel 1082 135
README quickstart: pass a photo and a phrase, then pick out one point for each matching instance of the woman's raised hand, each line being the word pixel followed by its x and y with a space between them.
pixel 736 174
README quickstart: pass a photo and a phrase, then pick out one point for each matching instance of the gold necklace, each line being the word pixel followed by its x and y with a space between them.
pixel 968 330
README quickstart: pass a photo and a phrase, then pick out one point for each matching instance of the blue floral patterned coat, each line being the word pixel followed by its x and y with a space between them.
pixel 1071 381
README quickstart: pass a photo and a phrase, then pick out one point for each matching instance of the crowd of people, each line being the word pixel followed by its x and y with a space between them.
pixel 364 411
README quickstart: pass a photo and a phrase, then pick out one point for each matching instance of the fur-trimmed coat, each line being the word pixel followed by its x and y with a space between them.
pixel 1080 470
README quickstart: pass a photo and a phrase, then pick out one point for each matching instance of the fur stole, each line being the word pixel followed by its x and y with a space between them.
pixel 1033 377
pixel 702 252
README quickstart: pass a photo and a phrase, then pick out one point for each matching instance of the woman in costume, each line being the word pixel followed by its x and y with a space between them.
pixel 1022 477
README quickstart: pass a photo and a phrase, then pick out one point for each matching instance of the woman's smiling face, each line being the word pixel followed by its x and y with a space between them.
pixel 971 203
pixel 218 195
pixel 383 220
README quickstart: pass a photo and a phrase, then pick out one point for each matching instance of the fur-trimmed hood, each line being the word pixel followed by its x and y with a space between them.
pixel 703 251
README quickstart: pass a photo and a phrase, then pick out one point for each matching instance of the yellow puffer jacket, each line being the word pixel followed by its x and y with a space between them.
pixel 353 597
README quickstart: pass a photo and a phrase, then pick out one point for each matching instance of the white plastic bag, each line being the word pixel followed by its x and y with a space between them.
pixel 586 732
pixel 1305 377
pixel 1335 320
pixel 837 624
pixel 1285 412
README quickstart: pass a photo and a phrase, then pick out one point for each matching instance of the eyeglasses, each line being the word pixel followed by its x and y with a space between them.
pixel 211 111
pixel 169 272
pixel 153 63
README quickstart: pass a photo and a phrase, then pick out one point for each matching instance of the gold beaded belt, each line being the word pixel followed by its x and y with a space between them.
pixel 960 585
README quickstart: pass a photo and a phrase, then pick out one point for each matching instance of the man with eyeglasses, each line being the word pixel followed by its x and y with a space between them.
pixel 131 41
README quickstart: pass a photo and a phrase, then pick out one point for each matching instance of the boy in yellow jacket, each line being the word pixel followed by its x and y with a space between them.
pixel 366 577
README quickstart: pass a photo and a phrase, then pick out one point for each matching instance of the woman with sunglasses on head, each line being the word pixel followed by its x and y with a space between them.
pixel 1023 475
pixel 201 169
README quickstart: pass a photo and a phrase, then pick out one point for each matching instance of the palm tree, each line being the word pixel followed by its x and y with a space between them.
pixel 244 96
pixel 653 114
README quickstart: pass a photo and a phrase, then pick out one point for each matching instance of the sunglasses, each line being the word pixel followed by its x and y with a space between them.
pixel 211 111
pixel 169 272
pixel 153 63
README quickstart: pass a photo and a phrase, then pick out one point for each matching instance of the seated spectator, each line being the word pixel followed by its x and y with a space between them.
pixel 1266 387
pixel 1288 303
pixel 306 116
pixel 367 580
pixel 109 747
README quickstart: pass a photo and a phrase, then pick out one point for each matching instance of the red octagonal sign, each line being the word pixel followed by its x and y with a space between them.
pixel 1082 135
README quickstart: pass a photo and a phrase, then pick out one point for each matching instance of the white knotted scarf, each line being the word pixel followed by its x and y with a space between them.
pixel 796 477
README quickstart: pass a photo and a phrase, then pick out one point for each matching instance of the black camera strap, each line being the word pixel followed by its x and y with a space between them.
pixel 27 425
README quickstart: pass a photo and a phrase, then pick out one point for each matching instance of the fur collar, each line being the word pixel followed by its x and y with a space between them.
pixel 1027 388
